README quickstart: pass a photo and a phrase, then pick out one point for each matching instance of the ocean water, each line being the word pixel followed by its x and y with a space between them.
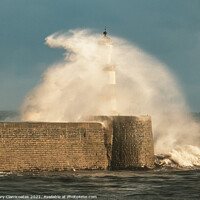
pixel 152 184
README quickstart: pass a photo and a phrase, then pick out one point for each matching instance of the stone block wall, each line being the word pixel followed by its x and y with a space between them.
pixel 52 146
pixel 132 142
pixel 107 122
pixel 116 142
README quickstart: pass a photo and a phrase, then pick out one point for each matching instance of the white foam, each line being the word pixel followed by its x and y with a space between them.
pixel 186 156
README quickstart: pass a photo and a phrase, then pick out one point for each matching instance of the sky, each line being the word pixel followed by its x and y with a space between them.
pixel 169 30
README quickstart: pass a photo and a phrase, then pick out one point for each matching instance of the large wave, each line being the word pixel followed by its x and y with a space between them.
pixel 73 89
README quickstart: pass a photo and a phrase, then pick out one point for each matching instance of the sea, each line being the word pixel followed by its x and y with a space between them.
pixel 167 181
pixel 150 184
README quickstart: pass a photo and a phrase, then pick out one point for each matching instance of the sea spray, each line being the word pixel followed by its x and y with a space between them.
pixel 74 88
pixel 185 156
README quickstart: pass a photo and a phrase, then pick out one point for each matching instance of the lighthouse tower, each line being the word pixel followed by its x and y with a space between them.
pixel 106 46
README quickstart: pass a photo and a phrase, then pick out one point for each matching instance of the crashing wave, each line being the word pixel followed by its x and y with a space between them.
pixel 187 156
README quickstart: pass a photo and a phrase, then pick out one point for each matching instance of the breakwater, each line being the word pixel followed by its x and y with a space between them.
pixel 125 142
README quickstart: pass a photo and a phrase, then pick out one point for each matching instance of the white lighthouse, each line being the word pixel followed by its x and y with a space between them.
pixel 106 46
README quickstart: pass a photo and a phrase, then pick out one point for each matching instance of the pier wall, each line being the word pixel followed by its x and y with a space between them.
pixel 114 142
pixel 132 143
pixel 52 146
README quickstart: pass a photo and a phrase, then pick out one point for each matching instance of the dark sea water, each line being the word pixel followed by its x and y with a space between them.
pixel 153 184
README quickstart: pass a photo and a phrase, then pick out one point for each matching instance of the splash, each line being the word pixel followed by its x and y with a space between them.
pixel 186 156
pixel 76 87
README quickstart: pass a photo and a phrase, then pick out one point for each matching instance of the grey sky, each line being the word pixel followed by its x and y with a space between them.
pixel 167 29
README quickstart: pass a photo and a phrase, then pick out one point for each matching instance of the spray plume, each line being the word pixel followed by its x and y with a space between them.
pixel 74 88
